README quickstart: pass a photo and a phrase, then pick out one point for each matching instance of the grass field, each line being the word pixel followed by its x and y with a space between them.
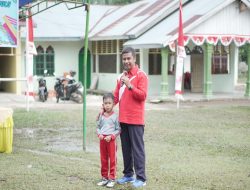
pixel 196 147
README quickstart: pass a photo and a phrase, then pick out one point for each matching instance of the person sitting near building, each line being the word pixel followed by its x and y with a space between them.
pixel 187 80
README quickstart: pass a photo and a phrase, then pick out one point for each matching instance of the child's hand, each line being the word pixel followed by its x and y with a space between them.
pixel 100 113
pixel 101 137
pixel 107 138
pixel 102 110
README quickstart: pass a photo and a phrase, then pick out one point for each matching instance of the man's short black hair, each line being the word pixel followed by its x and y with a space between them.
pixel 129 50
pixel 108 95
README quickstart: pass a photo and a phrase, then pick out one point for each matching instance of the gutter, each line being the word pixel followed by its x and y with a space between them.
pixel 55 39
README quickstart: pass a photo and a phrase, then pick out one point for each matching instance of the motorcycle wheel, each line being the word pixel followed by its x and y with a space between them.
pixel 79 99
pixel 76 97
pixel 42 96
pixel 57 98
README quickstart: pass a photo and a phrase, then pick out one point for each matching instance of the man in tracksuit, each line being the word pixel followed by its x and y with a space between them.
pixel 130 93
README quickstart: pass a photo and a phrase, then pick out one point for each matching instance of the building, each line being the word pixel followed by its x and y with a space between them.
pixel 213 33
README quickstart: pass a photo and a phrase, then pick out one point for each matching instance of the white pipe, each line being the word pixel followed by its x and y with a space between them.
pixel 13 79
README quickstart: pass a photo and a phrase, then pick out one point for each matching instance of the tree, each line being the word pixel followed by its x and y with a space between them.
pixel 243 53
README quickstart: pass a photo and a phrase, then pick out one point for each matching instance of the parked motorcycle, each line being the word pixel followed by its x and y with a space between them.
pixel 42 89
pixel 72 90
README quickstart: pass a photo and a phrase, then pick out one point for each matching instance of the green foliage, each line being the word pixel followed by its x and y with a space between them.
pixel 243 53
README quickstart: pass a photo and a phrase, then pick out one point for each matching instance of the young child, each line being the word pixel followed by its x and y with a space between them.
pixel 108 129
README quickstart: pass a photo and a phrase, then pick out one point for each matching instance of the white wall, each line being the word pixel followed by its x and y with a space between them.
pixel 227 21
pixel 106 81
pixel 66 59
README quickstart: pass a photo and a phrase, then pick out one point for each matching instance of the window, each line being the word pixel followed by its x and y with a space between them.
pixel 106 52
pixel 155 60
pixel 107 63
pixel 94 64
pixel 220 62
pixel 50 60
pixel 154 65
pixel 44 61
pixel 39 61
pixel 171 63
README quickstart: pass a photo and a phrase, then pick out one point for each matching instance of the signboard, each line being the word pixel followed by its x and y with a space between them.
pixel 24 2
pixel 8 23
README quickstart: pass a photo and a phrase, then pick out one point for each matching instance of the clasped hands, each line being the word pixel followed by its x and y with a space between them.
pixel 106 138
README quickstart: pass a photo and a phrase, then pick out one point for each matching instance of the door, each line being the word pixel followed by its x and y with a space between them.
pixel 197 72
pixel 80 67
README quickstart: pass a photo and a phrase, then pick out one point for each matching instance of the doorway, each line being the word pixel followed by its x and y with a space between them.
pixel 7 69
pixel 197 70
pixel 80 67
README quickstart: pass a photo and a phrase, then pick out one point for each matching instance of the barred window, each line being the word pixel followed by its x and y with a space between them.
pixel 50 60
pixel 39 61
pixel 44 61
pixel 220 61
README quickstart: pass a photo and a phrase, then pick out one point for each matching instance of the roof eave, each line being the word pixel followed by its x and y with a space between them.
pixel 99 38
pixel 54 39
pixel 144 46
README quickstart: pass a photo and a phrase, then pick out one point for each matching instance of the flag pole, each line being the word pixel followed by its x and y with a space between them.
pixel 87 7
pixel 27 61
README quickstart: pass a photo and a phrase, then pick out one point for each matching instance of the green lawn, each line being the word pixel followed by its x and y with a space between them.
pixel 201 147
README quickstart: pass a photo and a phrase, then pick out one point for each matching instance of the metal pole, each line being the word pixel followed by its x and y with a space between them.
pixel 27 63
pixel 87 6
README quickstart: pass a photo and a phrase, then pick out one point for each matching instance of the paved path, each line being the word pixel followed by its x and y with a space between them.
pixel 94 101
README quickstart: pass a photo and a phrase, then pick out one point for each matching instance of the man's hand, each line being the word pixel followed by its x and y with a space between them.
pixel 125 80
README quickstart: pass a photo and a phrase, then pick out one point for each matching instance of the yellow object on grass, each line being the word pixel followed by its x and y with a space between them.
pixel 6 130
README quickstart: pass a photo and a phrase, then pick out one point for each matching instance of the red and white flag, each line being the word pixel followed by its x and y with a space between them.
pixel 181 54
pixel 30 37
pixel 30 51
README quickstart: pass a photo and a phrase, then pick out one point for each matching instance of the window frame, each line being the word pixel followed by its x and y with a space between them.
pixel 220 60
pixel 42 61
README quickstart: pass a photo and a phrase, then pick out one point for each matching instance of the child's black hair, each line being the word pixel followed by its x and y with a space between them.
pixel 108 95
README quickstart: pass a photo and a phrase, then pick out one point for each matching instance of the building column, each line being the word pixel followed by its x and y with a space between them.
pixel 247 93
pixel 18 62
pixel 164 73
pixel 141 59
pixel 207 91
pixel 234 53
pixel 118 57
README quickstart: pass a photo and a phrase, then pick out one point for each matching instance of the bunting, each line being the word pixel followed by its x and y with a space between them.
pixel 213 39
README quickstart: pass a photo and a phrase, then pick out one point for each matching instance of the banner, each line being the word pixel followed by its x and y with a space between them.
pixel 181 54
pixel 30 51
pixel 8 23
